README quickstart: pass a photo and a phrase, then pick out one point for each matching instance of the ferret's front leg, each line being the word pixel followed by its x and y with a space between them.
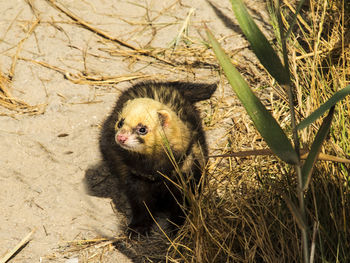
pixel 142 203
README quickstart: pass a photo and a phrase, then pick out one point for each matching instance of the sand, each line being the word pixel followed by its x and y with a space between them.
pixel 50 163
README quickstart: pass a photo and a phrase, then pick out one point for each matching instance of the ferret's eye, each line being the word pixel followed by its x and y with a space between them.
pixel 142 130
pixel 120 123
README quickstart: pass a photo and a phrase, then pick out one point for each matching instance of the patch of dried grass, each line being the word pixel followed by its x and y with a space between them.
pixel 242 216
pixel 14 104
pixel 6 98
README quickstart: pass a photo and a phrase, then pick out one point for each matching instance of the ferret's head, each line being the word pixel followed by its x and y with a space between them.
pixel 143 125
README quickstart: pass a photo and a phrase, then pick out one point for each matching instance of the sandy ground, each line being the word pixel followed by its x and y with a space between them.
pixel 49 160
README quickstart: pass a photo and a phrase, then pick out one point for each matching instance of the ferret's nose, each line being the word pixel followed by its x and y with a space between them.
pixel 121 138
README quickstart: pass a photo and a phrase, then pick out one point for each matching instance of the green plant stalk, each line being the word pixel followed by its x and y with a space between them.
pixel 288 86
pixel 294 19
pixel 298 170
pixel 304 237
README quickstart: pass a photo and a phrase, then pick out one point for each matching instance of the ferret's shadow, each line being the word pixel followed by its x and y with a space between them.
pixel 100 182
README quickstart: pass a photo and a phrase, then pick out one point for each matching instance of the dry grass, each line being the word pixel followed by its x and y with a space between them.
pixel 177 59
pixel 6 98
pixel 14 104
pixel 242 216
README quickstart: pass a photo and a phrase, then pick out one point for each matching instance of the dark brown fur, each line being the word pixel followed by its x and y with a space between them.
pixel 139 175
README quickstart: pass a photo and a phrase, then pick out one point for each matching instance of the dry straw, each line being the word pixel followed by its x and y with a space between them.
pixel 6 98
pixel 181 59
pixel 14 104
pixel 13 251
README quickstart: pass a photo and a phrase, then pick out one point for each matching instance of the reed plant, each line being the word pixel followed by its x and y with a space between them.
pixel 298 212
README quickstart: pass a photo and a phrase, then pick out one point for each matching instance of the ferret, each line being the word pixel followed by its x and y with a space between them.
pixel 152 138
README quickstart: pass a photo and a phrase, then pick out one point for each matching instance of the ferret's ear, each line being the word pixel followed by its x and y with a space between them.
pixel 164 117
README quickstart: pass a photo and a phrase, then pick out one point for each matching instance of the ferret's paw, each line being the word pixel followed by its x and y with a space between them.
pixel 135 230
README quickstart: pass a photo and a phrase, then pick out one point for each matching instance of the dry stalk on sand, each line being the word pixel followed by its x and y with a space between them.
pixel 180 59
pixel 6 98
pixel 13 251
pixel 81 78
pixel 11 103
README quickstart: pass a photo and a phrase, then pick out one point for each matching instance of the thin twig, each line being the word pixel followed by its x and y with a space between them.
pixel 261 152
pixel 89 27
pixel 19 47
pixel 313 243
pixel 80 78
pixel 296 15
pixel 24 241
pixel 105 35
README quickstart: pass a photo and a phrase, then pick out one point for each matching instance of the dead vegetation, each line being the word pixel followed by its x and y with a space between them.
pixel 14 104
pixel 184 56
pixel 247 219
pixel 241 215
